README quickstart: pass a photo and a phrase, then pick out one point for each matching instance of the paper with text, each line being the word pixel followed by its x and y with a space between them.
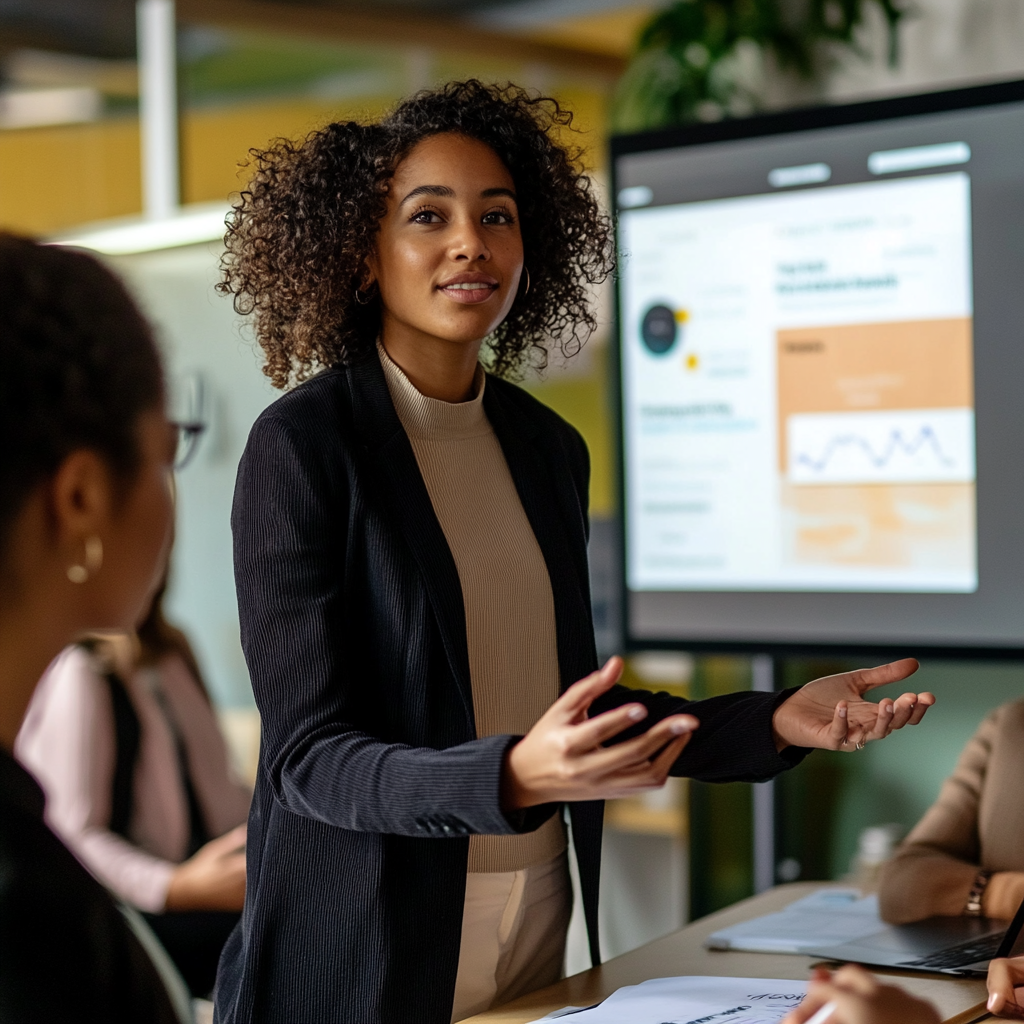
pixel 697 1000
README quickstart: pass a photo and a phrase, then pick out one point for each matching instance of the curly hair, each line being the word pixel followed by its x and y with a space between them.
pixel 300 234
pixel 79 367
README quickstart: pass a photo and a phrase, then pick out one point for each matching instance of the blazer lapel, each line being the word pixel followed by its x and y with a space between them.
pixel 393 465
pixel 549 499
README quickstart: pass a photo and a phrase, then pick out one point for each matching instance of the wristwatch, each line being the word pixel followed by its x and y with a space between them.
pixel 973 907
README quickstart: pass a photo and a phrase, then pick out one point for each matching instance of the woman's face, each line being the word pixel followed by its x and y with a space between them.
pixel 449 249
pixel 136 537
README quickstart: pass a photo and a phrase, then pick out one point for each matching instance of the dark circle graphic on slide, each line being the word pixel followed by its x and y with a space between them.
pixel 659 329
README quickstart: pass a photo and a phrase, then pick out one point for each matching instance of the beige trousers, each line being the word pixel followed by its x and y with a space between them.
pixel 513 934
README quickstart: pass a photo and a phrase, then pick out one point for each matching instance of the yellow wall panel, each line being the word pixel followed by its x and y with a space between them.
pixel 216 142
pixel 585 402
pixel 54 178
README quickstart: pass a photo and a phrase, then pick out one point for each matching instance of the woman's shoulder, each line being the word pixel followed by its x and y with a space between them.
pixel 1007 718
pixel 71 677
pixel 311 422
pixel 1002 726
pixel 309 403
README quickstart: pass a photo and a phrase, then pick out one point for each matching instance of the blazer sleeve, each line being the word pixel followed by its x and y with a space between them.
pixel 288 522
pixel 935 867
pixel 734 742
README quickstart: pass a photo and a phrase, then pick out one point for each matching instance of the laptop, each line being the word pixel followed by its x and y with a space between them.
pixel 944 945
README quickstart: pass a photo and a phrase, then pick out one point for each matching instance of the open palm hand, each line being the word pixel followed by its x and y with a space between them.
pixel 832 714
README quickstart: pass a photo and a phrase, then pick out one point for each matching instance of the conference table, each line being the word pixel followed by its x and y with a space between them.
pixel 960 1000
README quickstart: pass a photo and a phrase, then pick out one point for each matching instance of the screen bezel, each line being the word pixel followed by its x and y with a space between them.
pixel 781 123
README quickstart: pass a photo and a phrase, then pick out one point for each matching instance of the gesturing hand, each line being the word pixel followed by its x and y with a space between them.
pixel 562 757
pixel 831 714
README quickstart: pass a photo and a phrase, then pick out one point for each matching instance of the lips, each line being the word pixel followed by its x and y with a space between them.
pixel 469 288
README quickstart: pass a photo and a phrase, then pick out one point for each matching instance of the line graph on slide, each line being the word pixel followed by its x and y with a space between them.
pixel 892 446
pixel 896 444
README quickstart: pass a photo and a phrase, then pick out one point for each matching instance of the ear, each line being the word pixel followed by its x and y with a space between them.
pixel 81 500
pixel 370 272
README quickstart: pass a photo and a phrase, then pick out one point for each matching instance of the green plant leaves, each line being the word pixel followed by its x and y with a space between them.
pixel 701 60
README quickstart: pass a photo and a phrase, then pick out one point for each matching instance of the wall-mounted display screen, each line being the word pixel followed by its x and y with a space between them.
pixel 821 341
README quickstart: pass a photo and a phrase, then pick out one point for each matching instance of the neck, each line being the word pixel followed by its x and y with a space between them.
pixel 437 368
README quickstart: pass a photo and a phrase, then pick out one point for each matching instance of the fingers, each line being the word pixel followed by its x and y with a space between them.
pixel 595 731
pixel 907 709
pixel 227 843
pixel 650 774
pixel 820 993
pixel 883 722
pixel 806 1010
pixel 578 697
pixel 662 764
pixel 641 749
pixel 636 765
pixel 840 724
pixel 868 678
pixel 855 979
pixel 903 708
pixel 1003 976
pixel 924 702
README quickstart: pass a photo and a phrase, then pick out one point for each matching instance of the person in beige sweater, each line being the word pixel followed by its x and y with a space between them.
pixel 969 846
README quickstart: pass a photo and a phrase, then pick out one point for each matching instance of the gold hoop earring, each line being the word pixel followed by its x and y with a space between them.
pixel 364 301
pixel 93 561
pixel 526 290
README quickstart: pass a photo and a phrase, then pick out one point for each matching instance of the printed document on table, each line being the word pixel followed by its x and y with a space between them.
pixel 696 1000
pixel 825 918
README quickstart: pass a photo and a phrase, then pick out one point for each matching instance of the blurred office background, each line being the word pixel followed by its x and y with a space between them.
pixel 248 71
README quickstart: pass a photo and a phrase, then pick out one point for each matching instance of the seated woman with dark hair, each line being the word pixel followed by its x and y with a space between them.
pixel 122 737
pixel 85 522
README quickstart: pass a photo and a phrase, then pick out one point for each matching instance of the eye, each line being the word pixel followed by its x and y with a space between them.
pixel 425 216
pixel 500 216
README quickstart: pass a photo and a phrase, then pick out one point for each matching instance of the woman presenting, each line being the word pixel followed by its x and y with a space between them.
pixel 411 563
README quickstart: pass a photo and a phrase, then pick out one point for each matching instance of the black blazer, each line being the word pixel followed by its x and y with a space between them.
pixel 371 777
pixel 66 952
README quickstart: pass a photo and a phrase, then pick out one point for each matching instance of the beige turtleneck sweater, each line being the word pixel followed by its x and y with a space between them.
pixel 510 611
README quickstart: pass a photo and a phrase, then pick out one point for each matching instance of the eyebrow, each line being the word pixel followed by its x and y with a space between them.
pixel 444 192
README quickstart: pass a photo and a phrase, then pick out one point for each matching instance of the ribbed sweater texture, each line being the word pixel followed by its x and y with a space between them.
pixel 510 610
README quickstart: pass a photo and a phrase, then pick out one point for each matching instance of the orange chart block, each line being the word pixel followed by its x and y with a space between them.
pixel 924 529
pixel 916 364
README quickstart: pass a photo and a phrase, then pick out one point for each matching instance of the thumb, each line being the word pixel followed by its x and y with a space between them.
pixel 868 678
pixel 578 697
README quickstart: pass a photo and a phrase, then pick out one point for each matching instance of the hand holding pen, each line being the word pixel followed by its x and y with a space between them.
pixel 853 996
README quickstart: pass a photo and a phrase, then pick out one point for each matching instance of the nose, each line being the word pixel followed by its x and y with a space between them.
pixel 467 242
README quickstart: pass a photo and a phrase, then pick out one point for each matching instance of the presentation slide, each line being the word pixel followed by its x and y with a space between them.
pixel 798 390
